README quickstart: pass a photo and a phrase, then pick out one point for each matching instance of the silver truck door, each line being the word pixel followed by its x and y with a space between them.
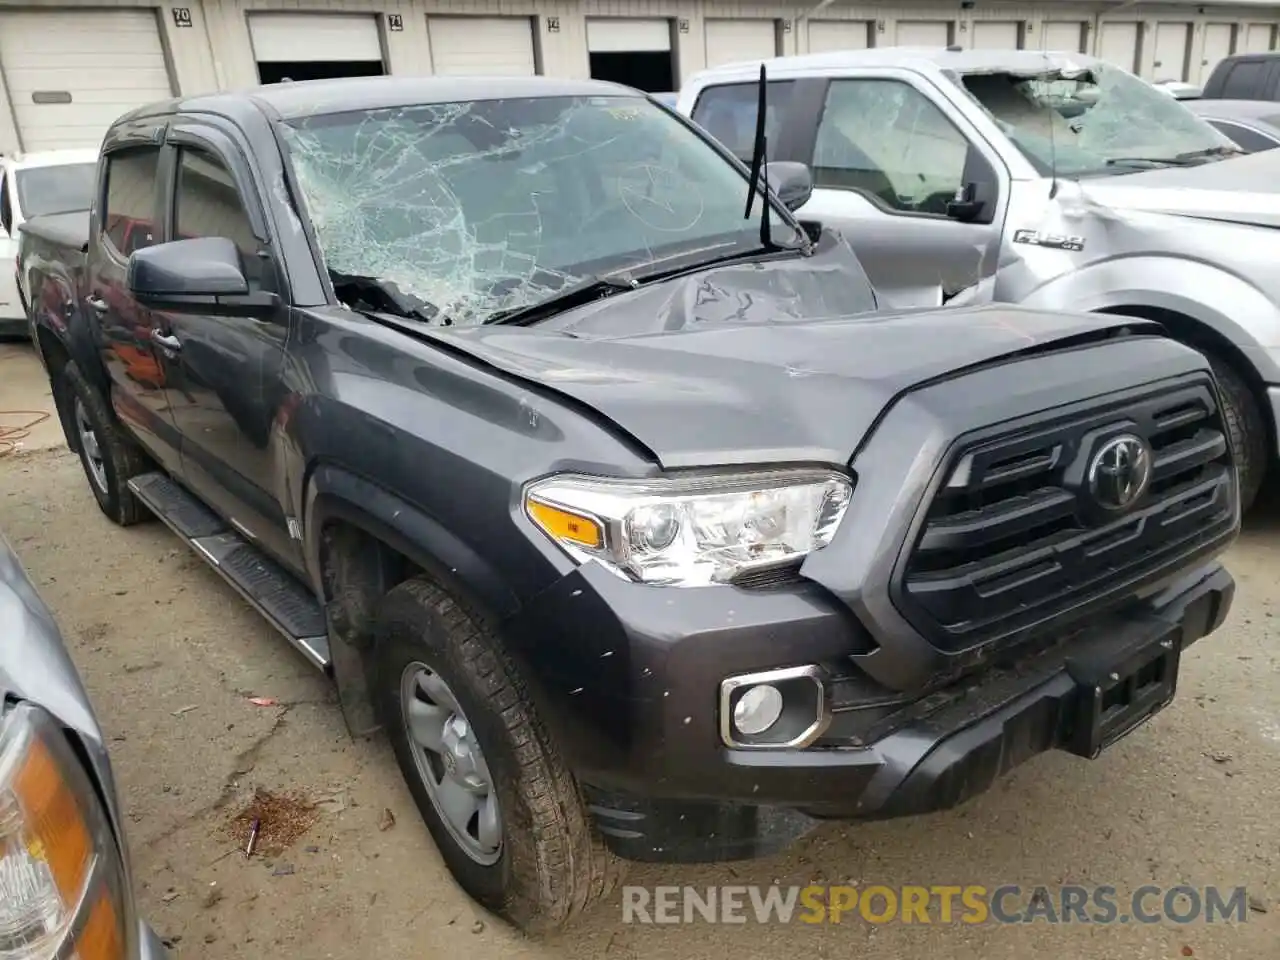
pixel 910 185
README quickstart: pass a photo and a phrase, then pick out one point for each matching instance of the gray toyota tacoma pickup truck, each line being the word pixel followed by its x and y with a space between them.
pixel 65 884
pixel 1050 180
pixel 637 524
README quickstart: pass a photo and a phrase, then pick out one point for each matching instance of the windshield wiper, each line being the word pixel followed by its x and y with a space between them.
pixel 1177 161
pixel 385 297
pixel 584 291
pixel 1189 158
pixel 1222 150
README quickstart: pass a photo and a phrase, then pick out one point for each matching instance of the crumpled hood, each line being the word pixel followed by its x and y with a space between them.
pixel 718 368
pixel 1237 190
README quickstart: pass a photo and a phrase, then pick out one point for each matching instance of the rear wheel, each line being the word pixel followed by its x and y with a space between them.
pixel 1247 428
pixel 508 818
pixel 110 459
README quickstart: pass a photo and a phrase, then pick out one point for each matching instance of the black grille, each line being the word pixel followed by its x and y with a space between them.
pixel 1013 537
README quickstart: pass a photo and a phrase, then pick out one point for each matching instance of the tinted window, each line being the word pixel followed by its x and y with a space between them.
pixel 1244 82
pixel 60 189
pixel 129 218
pixel 1250 140
pixel 728 113
pixel 887 140
pixel 207 205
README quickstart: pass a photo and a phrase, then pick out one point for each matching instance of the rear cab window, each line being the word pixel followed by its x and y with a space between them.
pixel 728 113
pixel 1244 80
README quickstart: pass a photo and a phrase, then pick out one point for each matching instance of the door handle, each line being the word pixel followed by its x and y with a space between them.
pixel 167 341
pixel 96 302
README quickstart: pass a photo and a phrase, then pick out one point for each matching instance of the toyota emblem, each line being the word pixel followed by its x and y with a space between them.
pixel 1120 472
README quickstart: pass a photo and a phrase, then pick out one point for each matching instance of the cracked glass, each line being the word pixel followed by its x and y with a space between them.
pixel 467 210
pixel 1090 122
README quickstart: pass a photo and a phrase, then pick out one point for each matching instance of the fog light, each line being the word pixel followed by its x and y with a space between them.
pixel 784 709
pixel 757 710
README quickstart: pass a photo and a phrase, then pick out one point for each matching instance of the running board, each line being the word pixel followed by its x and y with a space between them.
pixel 274 592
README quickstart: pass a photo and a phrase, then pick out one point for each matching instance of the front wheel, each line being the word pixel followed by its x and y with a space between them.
pixel 506 815
pixel 1247 428
pixel 109 458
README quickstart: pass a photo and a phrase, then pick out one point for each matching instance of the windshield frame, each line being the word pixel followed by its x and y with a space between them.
pixel 23 206
pixel 781 219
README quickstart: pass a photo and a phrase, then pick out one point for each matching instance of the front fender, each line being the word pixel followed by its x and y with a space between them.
pixel 334 493
pixel 1230 306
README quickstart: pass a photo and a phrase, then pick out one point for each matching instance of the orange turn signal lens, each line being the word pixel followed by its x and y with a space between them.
pixel 53 822
pixel 565 525
pixel 101 938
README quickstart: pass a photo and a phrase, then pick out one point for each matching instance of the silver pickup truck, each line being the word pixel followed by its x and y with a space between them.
pixel 1049 180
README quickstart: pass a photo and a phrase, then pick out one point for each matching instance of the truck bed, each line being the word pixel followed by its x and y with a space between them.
pixel 69 230
pixel 51 256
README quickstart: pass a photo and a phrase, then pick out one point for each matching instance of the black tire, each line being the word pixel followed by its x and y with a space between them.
pixel 1247 428
pixel 119 459
pixel 552 865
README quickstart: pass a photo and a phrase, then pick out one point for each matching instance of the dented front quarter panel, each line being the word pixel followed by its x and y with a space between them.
pixel 1107 246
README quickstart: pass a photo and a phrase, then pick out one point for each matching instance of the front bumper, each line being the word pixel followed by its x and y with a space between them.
pixel 640 726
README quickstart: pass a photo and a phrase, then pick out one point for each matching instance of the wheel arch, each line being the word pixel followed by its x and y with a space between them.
pixel 1210 341
pixel 362 541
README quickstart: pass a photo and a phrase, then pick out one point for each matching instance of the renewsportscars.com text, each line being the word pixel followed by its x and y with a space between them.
pixel 972 904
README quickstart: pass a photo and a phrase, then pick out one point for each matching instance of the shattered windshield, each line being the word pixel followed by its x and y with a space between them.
pixel 478 208
pixel 1096 121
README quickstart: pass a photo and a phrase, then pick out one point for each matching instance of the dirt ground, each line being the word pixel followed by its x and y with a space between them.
pixel 173 658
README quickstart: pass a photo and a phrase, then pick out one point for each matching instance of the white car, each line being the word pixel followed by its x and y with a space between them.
pixel 31 185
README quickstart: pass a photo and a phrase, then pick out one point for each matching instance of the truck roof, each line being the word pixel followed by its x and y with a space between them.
pixel 307 98
pixel 919 58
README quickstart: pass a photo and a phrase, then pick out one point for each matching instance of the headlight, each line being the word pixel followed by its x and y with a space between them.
pixel 61 883
pixel 691 532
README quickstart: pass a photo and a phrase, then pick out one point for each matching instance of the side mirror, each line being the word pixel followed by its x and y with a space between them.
pixel 791 182
pixel 965 206
pixel 201 275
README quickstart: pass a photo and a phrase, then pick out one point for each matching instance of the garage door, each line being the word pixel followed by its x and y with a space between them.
pixel 1063 36
pixel 731 40
pixel 314 38
pixel 827 35
pixel 1118 44
pixel 70 74
pixel 1172 43
pixel 996 35
pixel 1258 37
pixel 1217 44
pixel 923 33
pixel 476 46
pixel 628 36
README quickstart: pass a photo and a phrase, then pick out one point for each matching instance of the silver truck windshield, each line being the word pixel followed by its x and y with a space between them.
pixel 483 207
pixel 1103 121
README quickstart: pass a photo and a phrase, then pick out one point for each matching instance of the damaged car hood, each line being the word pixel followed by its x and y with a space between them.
pixel 1237 190
pixel 750 363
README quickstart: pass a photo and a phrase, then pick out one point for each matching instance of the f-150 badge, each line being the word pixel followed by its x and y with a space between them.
pixel 1055 240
